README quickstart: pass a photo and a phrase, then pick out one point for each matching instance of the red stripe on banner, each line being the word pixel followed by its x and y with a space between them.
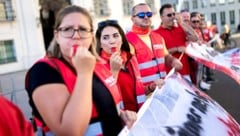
pixel 228 62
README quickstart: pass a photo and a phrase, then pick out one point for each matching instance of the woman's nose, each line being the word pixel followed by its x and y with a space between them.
pixel 112 40
pixel 76 34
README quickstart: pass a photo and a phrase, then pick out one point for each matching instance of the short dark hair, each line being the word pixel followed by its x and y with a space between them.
pixel 167 5
pixel 139 4
pixel 184 10
pixel 194 14
pixel 113 23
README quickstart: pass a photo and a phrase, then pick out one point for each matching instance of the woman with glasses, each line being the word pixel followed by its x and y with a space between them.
pixel 113 47
pixel 71 93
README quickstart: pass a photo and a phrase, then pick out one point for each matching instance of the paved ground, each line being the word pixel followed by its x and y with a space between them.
pixel 226 92
pixel 12 87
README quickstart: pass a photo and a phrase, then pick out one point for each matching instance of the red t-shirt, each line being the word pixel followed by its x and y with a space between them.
pixel 206 34
pixel 12 121
pixel 200 36
pixel 175 37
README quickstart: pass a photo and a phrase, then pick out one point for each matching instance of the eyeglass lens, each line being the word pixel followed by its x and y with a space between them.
pixel 68 32
pixel 195 21
pixel 170 14
pixel 142 14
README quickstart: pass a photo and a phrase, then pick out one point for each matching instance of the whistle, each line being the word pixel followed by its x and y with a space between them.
pixel 74 49
pixel 113 49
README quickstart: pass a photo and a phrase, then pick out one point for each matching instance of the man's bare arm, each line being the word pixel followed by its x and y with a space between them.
pixel 191 33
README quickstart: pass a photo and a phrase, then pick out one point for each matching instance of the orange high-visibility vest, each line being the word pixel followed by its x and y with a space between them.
pixel 139 92
pixel 69 78
pixel 150 63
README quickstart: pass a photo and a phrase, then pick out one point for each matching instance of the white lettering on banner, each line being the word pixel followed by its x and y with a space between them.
pixel 138 78
pixel 192 126
pixel 110 80
pixel 158 46
pixel 179 108
pixel 235 57
pixel 235 60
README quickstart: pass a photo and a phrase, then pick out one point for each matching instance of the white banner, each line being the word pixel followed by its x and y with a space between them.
pixel 228 62
pixel 179 108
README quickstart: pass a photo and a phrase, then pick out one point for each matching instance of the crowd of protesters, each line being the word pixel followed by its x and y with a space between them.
pixel 83 85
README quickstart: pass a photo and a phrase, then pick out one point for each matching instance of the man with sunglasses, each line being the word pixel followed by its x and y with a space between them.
pixel 176 33
pixel 195 21
pixel 149 48
pixel 203 75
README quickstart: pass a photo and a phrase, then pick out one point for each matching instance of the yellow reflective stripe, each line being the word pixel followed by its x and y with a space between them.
pixel 151 63
pixel 120 106
pixel 150 78
pixel 141 99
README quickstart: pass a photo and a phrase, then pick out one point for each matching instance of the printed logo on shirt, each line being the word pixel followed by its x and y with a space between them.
pixel 158 46
pixel 138 78
pixel 205 31
pixel 110 81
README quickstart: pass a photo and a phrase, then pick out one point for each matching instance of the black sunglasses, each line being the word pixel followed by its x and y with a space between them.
pixel 142 14
pixel 107 22
pixel 170 14
pixel 195 21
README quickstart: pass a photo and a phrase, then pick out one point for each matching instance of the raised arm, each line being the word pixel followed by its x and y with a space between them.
pixel 190 32
pixel 63 113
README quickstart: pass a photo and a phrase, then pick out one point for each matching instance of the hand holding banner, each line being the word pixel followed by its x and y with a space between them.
pixel 228 62
pixel 179 108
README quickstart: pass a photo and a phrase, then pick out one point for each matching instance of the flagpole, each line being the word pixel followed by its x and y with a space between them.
pixel 180 57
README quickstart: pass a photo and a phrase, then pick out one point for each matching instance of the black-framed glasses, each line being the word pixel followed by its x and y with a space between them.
pixel 107 22
pixel 170 14
pixel 195 21
pixel 68 32
pixel 143 14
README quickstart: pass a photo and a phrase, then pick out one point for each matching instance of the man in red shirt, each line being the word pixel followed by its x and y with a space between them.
pixel 176 34
pixel 199 25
